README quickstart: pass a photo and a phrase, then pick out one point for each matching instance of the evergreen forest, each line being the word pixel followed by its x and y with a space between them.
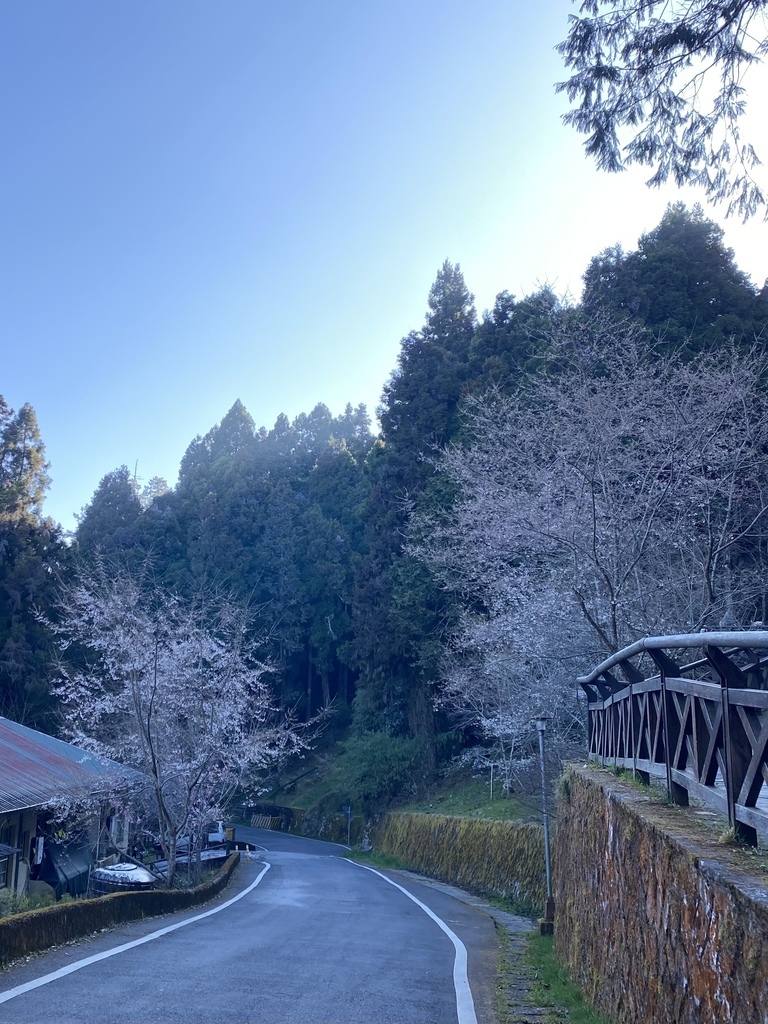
pixel 344 542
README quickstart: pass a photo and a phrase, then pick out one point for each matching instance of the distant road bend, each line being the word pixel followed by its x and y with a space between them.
pixel 303 936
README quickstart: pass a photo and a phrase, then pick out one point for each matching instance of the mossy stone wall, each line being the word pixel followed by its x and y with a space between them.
pixel 36 930
pixel 496 858
pixel 657 921
pixel 330 827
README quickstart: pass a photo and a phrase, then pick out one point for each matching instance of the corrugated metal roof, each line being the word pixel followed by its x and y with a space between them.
pixel 35 768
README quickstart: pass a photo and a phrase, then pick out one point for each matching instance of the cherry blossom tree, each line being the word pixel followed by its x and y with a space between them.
pixel 619 492
pixel 174 689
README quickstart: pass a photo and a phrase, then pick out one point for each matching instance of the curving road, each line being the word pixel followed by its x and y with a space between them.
pixel 301 936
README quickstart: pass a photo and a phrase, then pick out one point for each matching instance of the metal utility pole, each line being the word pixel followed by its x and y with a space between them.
pixel 549 907
pixel 348 812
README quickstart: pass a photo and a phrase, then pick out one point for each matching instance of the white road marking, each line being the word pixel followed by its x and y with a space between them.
pixel 465 1004
pixel 79 964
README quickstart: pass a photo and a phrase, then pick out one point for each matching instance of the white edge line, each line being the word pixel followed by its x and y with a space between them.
pixel 11 993
pixel 465 1005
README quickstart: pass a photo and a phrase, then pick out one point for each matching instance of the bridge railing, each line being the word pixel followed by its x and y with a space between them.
pixel 700 724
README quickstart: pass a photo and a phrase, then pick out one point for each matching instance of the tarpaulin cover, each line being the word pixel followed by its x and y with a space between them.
pixel 67 868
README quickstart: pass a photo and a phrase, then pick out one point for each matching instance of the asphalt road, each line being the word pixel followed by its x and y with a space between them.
pixel 311 939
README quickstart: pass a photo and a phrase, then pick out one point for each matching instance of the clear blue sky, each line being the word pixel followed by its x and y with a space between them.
pixel 201 202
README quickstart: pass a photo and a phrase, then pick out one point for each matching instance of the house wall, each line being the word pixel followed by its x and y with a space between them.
pixel 17 828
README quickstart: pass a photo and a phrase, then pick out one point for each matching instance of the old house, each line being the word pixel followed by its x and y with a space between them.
pixel 35 771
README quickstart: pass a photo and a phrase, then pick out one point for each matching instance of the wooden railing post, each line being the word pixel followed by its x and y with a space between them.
pixel 677 794
pixel 665 726
pixel 631 732
pixel 730 796
pixel 736 758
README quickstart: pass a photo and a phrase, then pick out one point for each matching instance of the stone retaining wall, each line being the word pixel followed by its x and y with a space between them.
pixel 658 921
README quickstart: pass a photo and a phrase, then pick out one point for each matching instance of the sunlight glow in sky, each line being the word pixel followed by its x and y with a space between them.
pixel 245 200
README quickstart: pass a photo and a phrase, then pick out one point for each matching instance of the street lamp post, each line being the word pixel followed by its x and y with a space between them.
pixel 547 922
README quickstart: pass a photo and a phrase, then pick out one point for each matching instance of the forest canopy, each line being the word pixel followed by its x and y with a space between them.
pixel 397 576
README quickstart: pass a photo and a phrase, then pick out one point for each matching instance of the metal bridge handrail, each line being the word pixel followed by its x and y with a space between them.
pixel 735 638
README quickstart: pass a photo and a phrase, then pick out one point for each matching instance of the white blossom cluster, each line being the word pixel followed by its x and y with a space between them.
pixel 619 491
pixel 174 689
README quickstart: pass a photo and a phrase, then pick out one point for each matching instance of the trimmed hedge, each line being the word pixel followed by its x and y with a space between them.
pixel 36 930
pixel 496 858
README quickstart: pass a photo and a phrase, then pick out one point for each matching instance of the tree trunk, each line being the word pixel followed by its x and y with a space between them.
pixel 421 723
pixel 309 688
pixel 326 687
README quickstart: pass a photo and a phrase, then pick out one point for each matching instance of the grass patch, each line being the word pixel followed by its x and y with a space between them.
pixel 309 784
pixel 552 987
pixel 470 798
pixel 503 1009
pixel 375 860
pixel 512 906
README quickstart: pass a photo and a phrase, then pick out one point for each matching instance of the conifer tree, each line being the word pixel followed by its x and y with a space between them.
pixel 397 612
pixel 32 558
pixel 681 282
pixel 23 468
pixel 109 522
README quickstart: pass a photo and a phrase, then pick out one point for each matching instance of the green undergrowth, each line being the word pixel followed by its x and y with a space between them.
pixel 513 906
pixel 470 798
pixel 552 987
pixel 316 790
pixel 13 903
pixel 368 773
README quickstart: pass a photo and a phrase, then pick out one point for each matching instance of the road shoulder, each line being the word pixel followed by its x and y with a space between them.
pixel 510 1000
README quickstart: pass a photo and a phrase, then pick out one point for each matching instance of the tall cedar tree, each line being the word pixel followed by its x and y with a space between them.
pixel 32 557
pixel 398 613
pixel 681 282
pixel 661 83
pixel 108 525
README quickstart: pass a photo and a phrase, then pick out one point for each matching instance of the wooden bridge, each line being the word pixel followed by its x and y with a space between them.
pixel 701 725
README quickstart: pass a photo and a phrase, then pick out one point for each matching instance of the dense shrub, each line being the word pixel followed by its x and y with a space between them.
pixel 374 770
